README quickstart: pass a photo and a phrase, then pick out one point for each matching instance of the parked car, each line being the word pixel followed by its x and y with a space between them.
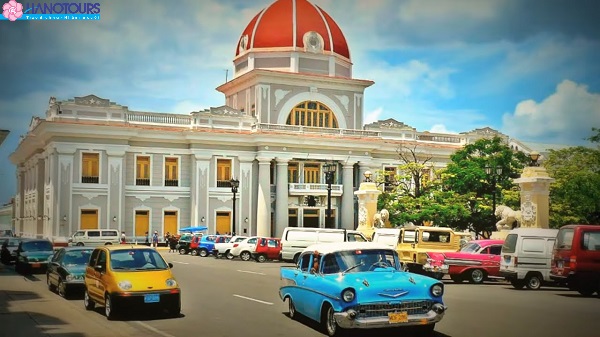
pixel 475 262
pixel 244 248
pixel 295 239
pixel 576 258
pixel 207 244
pixel 224 248
pixel 267 249
pixel 32 255
pixel 8 252
pixel 136 277
pixel 184 242
pixel 66 269
pixel 526 257
pixel 95 237
pixel 360 285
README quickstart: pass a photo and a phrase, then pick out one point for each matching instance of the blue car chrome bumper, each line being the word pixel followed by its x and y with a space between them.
pixel 350 320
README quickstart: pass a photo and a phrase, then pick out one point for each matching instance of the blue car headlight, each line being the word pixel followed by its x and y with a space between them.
pixel 437 290
pixel 125 285
pixel 171 283
pixel 348 295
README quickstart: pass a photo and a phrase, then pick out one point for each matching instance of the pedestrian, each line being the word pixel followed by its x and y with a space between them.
pixel 155 239
pixel 123 238
pixel 147 241
pixel 173 244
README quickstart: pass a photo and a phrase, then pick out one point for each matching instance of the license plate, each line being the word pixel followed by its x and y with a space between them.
pixel 36 265
pixel 151 298
pixel 507 258
pixel 398 317
pixel 560 264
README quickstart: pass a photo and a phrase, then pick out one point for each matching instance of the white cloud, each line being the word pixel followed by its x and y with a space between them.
pixel 564 117
pixel 373 116
pixel 440 128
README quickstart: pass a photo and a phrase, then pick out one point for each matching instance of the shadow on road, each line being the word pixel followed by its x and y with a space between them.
pixel 404 331
pixel 577 295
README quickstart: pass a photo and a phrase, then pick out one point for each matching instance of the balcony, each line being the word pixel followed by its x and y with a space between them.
pixel 224 183
pixel 90 180
pixel 171 182
pixel 143 182
pixel 314 189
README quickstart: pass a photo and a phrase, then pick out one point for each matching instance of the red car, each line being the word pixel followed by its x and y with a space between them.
pixel 267 249
pixel 476 261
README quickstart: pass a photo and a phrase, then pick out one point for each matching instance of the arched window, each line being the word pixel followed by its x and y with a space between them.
pixel 311 113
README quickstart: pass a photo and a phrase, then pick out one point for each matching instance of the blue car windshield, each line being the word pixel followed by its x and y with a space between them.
pixel 36 246
pixel 355 261
pixel 137 259
pixel 77 258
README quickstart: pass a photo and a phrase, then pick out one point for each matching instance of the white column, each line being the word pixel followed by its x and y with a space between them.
pixel 263 211
pixel 64 202
pixel 347 212
pixel 245 209
pixel 281 200
pixel 116 195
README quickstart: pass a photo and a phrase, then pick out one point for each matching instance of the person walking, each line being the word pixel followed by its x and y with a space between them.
pixel 147 240
pixel 173 244
pixel 123 238
pixel 155 239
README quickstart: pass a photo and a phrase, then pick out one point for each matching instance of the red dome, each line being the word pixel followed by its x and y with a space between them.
pixel 284 24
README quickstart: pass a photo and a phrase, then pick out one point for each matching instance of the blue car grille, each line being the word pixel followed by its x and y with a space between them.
pixel 382 309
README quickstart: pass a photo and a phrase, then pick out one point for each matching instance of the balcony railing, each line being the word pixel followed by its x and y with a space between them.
pixel 171 182
pixel 90 180
pixel 314 189
pixel 157 118
pixel 223 183
pixel 142 182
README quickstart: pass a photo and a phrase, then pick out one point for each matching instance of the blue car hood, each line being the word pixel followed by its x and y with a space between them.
pixel 387 285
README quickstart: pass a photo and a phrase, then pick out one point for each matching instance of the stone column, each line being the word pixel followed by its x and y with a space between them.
pixel 367 207
pixel 64 201
pixel 245 209
pixel 116 194
pixel 535 190
pixel 347 211
pixel 199 189
pixel 263 211
pixel 281 201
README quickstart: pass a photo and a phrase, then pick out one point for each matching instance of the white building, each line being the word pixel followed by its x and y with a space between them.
pixel 291 107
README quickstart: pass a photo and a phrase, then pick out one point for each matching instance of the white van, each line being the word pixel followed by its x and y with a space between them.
pixel 295 239
pixel 95 237
pixel 526 257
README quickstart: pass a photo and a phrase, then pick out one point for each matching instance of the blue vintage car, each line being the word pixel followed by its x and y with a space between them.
pixel 360 285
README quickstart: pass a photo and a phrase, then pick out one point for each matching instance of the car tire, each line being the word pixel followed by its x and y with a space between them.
pixel 261 258
pixel 61 288
pixel 183 251
pixel 586 291
pixel 88 303
pixel 457 278
pixel 245 255
pixel 517 284
pixel 296 257
pixel 229 255
pixel 79 244
pixel 203 252
pixel 476 276
pixel 292 309
pixel 109 308
pixel 195 252
pixel 330 326
pixel 533 281
pixel 49 283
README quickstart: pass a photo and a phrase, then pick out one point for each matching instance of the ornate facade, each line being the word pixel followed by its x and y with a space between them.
pixel 291 107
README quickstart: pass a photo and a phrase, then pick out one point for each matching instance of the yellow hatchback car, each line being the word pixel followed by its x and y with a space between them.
pixel 120 276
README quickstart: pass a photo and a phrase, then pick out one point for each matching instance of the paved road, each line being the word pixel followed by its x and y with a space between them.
pixel 235 298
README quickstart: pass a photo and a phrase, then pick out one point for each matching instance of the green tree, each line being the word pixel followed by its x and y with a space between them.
pixel 575 193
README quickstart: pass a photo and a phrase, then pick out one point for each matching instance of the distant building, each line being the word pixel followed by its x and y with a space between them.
pixel 291 107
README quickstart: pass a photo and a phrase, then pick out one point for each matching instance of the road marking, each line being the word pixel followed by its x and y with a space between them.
pixel 251 272
pixel 181 262
pixel 153 329
pixel 253 299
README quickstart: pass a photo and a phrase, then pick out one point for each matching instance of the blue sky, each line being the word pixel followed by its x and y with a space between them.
pixel 527 68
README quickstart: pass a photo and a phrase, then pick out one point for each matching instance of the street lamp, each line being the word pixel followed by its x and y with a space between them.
pixel 489 170
pixel 234 189
pixel 329 170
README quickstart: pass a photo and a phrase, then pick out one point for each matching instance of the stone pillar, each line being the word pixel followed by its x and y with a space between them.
pixel 367 207
pixel 263 211
pixel 347 211
pixel 64 201
pixel 199 189
pixel 535 190
pixel 116 194
pixel 246 189
pixel 282 196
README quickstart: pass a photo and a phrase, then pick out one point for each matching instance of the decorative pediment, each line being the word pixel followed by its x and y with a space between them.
pixel 223 110
pixel 390 123
pixel 34 122
pixel 487 131
pixel 92 100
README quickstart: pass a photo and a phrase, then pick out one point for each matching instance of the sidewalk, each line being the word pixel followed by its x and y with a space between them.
pixel 29 309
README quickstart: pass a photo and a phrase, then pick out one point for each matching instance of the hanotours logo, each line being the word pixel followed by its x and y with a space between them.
pixel 14 10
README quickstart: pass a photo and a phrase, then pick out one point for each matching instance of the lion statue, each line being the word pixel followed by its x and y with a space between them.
pixel 509 219
pixel 381 219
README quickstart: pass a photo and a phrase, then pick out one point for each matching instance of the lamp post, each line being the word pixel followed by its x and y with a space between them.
pixel 234 189
pixel 329 170
pixel 534 156
pixel 489 170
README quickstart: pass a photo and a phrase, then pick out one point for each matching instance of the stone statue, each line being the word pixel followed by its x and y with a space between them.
pixel 380 219
pixel 507 218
